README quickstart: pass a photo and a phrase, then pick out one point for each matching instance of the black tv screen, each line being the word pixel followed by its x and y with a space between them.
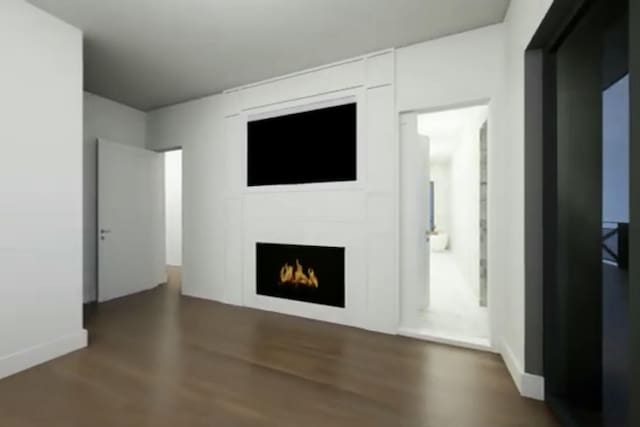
pixel 303 148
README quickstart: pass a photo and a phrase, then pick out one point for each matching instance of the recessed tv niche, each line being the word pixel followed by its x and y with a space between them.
pixel 313 146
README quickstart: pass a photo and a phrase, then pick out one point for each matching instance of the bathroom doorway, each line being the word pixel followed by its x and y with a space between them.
pixel 444 192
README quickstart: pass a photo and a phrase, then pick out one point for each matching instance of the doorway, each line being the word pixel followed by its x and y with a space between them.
pixel 140 220
pixel 173 217
pixel 131 255
pixel 444 202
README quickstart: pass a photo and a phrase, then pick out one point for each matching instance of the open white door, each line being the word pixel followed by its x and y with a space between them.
pixel 415 211
pixel 131 246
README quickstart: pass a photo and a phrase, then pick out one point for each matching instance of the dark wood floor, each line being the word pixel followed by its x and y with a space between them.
pixel 158 359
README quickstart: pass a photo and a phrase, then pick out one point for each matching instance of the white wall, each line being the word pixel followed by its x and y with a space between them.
pixel 41 187
pixel 451 71
pixel 457 71
pixel 112 121
pixel 173 207
pixel 198 128
pixel 521 22
pixel 454 71
pixel 488 64
pixel 223 219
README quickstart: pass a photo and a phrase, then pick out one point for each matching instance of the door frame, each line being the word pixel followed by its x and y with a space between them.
pixel 541 178
pixel 408 293
pixel 634 206
pixel 493 327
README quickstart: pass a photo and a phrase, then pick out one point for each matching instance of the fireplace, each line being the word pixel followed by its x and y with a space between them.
pixel 312 274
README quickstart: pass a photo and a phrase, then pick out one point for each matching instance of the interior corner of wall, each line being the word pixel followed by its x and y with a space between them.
pixel 528 385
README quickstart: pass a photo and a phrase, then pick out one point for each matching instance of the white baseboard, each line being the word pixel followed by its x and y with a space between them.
pixel 531 386
pixel 36 355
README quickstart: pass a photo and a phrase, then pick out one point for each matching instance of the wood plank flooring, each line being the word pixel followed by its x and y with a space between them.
pixel 159 359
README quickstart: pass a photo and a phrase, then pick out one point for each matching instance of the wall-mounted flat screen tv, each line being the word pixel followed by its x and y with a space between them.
pixel 315 146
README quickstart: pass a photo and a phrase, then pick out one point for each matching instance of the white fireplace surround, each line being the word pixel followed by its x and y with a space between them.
pixel 323 214
pixel 359 215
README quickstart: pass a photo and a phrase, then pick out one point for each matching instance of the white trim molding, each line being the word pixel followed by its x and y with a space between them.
pixel 529 385
pixel 38 354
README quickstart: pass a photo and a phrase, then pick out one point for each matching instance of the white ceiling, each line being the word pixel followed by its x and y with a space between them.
pixel 151 53
pixel 446 129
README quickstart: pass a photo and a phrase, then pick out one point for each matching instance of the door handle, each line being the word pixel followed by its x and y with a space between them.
pixel 104 231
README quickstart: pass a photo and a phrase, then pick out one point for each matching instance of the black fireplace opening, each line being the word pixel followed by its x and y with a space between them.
pixel 313 274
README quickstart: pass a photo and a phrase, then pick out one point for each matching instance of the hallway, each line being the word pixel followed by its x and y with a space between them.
pixel 454 311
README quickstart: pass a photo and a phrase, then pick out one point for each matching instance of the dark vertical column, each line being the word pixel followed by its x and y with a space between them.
pixel 578 295
pixel 534 203
pixel 552 370
pixel 634 228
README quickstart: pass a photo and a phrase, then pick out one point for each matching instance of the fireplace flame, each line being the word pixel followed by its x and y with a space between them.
pixel 298 277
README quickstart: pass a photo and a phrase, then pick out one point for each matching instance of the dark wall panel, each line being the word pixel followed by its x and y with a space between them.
pixel 579 186
pixel 534 206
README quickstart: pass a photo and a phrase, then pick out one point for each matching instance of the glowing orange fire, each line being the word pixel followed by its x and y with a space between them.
pixel 298 278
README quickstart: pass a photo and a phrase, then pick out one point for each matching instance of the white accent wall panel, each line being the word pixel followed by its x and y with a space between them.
pixel 198 128
pixel 380 69
pixel 224 218
pixel 235 262
pixel 321 80
pixel 381 140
